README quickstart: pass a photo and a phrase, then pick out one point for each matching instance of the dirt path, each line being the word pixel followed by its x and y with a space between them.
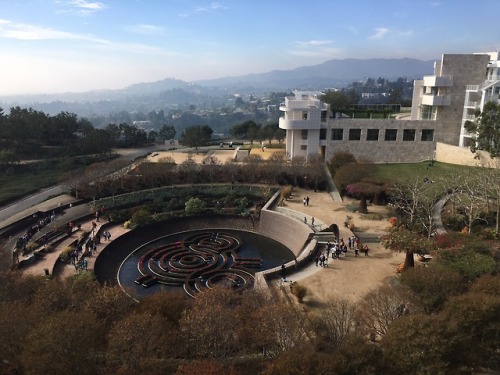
pixel 350 277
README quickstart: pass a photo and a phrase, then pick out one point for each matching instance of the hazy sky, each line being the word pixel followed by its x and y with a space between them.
pixel 49 46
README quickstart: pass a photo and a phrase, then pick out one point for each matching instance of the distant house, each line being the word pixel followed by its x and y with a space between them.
pixel 441 104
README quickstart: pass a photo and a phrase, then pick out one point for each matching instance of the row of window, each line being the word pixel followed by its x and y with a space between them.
pixel 389 135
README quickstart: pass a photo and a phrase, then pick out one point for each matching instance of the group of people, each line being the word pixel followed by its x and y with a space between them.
pixel 23 240
pixel 339 247
pixel 305 200
pixel 78 255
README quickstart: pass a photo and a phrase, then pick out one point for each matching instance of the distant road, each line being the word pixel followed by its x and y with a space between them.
pixel 37 198
pixel 29 201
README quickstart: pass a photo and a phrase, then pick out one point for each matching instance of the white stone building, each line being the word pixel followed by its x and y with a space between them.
pixel 442 102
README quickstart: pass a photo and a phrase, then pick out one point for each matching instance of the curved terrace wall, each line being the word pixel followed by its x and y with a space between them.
pixel 291 232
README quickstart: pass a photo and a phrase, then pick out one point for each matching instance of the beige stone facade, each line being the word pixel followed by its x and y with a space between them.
pixel 463 156
pixel 382 141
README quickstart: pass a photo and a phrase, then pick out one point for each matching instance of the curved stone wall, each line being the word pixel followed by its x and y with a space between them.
pixel 287 230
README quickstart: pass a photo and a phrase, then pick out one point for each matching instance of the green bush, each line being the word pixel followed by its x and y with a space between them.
pixel 195 206
pixel 468 263
pixel 140 218
pixel 65 255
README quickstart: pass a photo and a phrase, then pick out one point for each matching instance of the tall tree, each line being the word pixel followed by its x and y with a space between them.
pixel 486 129
pixel 167 132
pixel 197 136
pixel 340 100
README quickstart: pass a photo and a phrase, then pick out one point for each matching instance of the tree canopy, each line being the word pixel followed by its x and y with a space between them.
pixel 197 136
pixel 486 129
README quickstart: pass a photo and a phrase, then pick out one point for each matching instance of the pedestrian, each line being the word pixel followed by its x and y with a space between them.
pixel 356 252
pixel 316 260
pixel 305 219
pixel 322 260
pixel 307 201
pixel 312 221
pixel 365 249
pixel 304 201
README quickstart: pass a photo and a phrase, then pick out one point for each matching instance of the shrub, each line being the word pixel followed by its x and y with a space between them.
pixel 140 218
pixel 195 206
pixel 299 291
pixel 468 263
pixel 66 254
pixel 31 246
pixel 341 158
pixel 372 216
pixel 350 174
pixel 286 192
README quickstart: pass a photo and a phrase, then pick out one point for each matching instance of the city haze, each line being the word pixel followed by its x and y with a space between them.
pixel 80 45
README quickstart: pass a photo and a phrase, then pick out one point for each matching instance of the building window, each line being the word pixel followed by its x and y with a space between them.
pixel 408 134
pixel 427 135
pixel 303 148
pixel 323 116
pixel 337 134
pixel 428 112
pixel 391 134
pixel 354 134
pixel 304 115
pixel 304 133
pixel 372 135
pixel 322 134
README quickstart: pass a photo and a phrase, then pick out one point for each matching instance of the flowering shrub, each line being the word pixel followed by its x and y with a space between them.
pixel 393 221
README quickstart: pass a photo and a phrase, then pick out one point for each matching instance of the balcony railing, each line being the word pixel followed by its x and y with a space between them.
pixel 472 87
pixel 470 104
pixel 436 100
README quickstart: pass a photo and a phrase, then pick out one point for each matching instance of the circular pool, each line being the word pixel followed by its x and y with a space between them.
pixel 194 260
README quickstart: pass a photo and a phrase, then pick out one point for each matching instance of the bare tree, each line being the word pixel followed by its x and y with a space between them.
pixel 381 307
pixel 471 194
pixel 491 184
pixel 414 198
pixel 335 321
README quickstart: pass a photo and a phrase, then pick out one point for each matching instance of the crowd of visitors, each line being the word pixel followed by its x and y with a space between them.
pixel 338 249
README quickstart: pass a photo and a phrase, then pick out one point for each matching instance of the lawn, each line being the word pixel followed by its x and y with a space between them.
pixel 392 172
pixel 17 181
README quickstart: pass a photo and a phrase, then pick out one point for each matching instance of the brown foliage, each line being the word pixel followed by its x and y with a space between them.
pixel 142 343
pixel 433 285
pixel 350 174
pixel 110 304
pixel 342 158
pixel 415 344
pixel 64 342
pixel 299 362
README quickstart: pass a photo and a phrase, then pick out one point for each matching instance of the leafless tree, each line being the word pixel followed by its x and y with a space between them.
pixel 381 307
pixel 335 321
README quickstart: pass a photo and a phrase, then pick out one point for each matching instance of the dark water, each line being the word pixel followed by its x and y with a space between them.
pixel 194 260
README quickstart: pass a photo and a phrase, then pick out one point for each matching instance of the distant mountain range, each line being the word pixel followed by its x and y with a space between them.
pixel 335 72
pixel 172 92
